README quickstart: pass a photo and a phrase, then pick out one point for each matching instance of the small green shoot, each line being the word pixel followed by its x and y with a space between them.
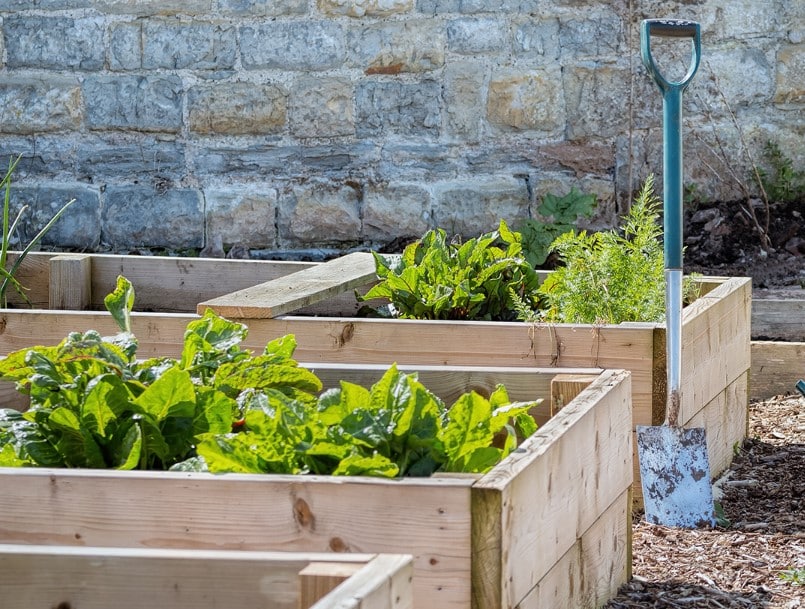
pixel 794 576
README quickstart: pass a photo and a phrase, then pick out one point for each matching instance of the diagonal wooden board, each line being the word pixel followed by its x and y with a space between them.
pixel 296 290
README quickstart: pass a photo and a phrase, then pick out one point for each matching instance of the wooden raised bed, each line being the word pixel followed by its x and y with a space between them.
pixel 548 527
pixel 715 333
pixel 133 578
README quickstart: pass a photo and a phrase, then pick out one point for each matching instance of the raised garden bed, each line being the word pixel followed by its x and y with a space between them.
pixel 715 348
pixel 129 578
pixel 555 511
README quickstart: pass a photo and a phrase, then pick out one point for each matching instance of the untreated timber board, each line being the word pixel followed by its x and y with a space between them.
pixel 776 368
pixel 295 291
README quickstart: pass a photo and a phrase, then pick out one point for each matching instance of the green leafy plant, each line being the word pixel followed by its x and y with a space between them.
pixel 8 275
pixel 783 183
pixel 395 428
pixel 92 404
pixel 611 276
pixel 220 408
pixel 561 213
pixel 795 576
pixel 439 279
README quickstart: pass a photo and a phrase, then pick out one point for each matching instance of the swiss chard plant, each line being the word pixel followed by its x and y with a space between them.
pixel 220 408
pixel 395 428
pixel 436 278
pixel 93 404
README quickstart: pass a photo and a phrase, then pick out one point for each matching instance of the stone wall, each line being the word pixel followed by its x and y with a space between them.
pixel 298 124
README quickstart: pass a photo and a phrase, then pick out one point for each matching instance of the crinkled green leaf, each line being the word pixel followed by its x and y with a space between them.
pixel 106 398
pixel 360 465
pixel 468 427
pixel 128 450
pixel 171 395
pixel 120 303
pixel 76 443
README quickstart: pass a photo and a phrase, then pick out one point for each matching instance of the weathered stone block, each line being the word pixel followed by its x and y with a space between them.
pixel 154 7
pixel 364 8
pixel 745 78
pixel 242 215
pixel 111 156
pixel 434 7
pixel 262 8
pixel 395 210
pixel 597 100
pixel 125 46
pixel 226 108
pixel 53 43
pixel 188 45
pixel 35 106
pixel 743 19
pixel 296 45
pixel 21 5
pixel 471 207
pixel 395 107
pixel 599 33
pixel 248 160
pixel 419 161
pixel 527 101
pixel 80 225
pixel 145 103
pixel 320 213
pixel 322 107
pixel 471 35
pixel 393 47
pixel 537 39
pixel 140 216
pixel 338 159
pixel 464 99
pixel 790 76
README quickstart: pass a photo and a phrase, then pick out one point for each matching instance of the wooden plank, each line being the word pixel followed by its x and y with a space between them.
pixel 779 319
pixel 384 583
pixel 132 578
pixel 726 419
pixel 578 464
pixel 70 282
pixel 776 368
pixel 320 578
pixel 565 387
pixel 295 291
pixel 427 518
pixel 593 569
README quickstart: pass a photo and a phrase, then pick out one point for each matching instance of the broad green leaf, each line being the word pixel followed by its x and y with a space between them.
pixel 9 458
pixel 468 427
pixel 76 444
pixel 479 460
pixel 214 412
pixel 171 395
pixel 128 452
pixel 283 347
pixel 260 373
pixel 120 303
pixel 359 465
pixel 106 398
pixel 154 451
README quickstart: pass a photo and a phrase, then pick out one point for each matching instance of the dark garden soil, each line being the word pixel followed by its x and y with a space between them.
pixel 749 561
pixel 722 239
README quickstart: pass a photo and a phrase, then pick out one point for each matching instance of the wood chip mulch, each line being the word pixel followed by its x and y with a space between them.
pixel 748 561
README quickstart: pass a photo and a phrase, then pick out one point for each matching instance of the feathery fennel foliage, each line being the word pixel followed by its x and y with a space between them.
pixel 612 276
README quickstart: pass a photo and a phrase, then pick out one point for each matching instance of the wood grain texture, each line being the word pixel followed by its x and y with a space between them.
pixel 776 368
pixel 538 503
pixel 295 291
pixel 779 319
pixel 70 285
pixel 427 518
pixel 97 578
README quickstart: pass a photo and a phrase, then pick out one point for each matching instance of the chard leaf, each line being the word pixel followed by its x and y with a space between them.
pixel 282 347
pixel 480 460
pixel 106 398
pixel 120 303
pixel 171 395
pixel 154 450
pixel 9 458
pixel 213 412
pixel 359 465
pixel 209 341
pixel 336 403
pixel 467 428
pixel 129 450
pixel 76 444
pixel 261 373
pixel 224 454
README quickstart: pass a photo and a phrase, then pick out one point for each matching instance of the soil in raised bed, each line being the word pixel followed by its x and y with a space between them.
pixel 738 564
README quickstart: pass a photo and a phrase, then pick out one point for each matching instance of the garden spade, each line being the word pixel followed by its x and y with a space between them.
pixel 674 467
